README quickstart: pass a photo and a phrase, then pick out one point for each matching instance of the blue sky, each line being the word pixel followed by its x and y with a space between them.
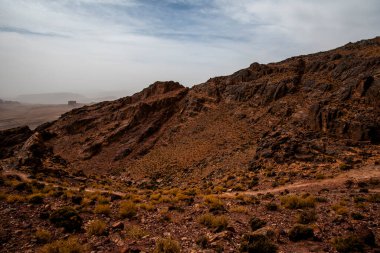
pixel 118 47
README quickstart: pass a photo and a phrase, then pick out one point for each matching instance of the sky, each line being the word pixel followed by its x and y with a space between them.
pixel 118 47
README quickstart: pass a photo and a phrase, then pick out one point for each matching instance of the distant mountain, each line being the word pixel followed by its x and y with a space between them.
pixel 59 98
pixel 6 102
pixel 52 98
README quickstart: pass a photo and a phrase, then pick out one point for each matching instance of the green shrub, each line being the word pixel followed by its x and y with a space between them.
pixel 96 227
pixel 300 232
pixel 167 245
pixel 70 245
pixel 256 243
pixel 68 218
pixel 128 209
pixel 256 223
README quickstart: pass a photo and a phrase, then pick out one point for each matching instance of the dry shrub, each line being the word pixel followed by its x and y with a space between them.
pixel 43 236
pixel 218 223
pixel 127 209
pixel 102 209
pixel 136 232
pixel 167 245
pixel 96 227
pixel 298 202
pixel 70 245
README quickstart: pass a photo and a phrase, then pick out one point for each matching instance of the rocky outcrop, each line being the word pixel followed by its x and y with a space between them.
pixel 307 109
pixel 12 139
pixel 33 151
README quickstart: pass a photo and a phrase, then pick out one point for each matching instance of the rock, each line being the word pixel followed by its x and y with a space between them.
pixel 67 218
pixel 366 235
pixel 130 249
pixel 115 197
pixel 76 199
pixel 257 243
pixel 122 154
pixel 119 225
pixel 12 139
pixel 18 232
pixel 5 235
pixel 231 229
pixel 33 151
pixel 115 238
pixel 220 236
pixel 266 231
pixel 91 150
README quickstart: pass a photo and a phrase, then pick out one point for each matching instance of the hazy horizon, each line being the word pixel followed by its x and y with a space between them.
pixel 94 47
pixel 62 97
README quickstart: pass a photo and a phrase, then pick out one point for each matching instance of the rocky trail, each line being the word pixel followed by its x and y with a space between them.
pixel 364 173
pixel 26 178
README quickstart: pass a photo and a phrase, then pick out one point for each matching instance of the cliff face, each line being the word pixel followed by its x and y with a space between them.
pixel 306 111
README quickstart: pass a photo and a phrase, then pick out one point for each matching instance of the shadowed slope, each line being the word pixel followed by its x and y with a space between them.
pixel 306 111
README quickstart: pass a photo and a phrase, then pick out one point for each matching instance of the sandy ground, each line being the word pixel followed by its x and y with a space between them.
pixel 14 115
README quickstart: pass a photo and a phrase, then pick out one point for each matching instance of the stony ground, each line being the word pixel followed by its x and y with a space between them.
pixel 212 219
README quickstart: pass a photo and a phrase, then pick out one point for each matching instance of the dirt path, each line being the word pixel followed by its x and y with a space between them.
pixel 25 177
pixel 364 173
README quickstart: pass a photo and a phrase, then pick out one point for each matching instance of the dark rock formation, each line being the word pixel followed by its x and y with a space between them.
pixel 12 139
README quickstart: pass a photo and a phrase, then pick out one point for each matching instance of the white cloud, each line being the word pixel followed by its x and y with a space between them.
pixel 312 25
pixel 125 45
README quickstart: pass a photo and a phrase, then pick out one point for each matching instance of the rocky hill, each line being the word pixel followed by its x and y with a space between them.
pixel 285 125
pixel 313 109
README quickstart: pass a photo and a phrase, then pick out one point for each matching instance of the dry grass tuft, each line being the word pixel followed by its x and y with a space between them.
pixel 96 227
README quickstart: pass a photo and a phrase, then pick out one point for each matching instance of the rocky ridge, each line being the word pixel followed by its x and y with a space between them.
pixel 282 157
pixel 311 109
